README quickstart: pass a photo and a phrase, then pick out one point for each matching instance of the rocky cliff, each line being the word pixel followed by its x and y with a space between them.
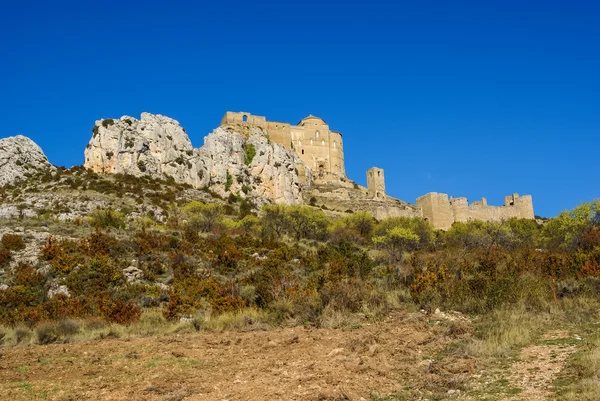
pixel 20 157
pixel 229 162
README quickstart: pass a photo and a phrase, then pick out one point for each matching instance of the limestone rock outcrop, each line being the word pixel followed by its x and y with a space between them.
pixel 229 162
pixel 20 157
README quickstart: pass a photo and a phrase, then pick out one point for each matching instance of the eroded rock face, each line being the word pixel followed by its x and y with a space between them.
pixel 159 146
pixel 154 145
pixel 19 157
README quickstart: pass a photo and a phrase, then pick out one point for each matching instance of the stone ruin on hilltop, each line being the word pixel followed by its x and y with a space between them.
pixel 253 158
pixel 321 151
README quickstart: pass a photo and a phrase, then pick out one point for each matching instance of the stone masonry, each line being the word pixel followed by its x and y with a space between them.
pixel 442 212
pixel 319 147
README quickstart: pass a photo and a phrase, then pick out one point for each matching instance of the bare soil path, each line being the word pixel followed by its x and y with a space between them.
pixel 396 355
pixel 539 366
pixel 530 376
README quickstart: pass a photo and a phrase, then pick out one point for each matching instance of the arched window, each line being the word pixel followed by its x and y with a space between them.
pixel 311 141
pixel 323 142
pixel 317 134
pixel 302 151
pixel 299 142
pixel 334 144
pixel 244 118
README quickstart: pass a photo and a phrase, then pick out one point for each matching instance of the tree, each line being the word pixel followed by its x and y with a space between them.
pixel 307 222
pixel 275 221
pixel 568 229
pixel 422 228
pixel 204 217
pixel 396 241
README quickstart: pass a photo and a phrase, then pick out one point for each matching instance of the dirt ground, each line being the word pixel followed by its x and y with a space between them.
pixel 405 354
pixel 539 365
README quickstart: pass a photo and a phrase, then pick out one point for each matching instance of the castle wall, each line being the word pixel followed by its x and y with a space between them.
pixel 436 209
pixel 442 213
pixel 242 117
pixel 280 133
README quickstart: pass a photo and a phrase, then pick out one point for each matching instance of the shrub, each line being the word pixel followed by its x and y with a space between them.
pixel 228 182
pixel 396 241
pixel 120 312
pixel 13 242
pixel 107 218
pixel 5 257
pixel 203 216
pixel 245 208
pixel 22 334
pixel 108 122
pixel 46 333
pixel 249 153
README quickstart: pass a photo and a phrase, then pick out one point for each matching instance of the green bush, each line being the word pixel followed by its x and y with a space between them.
pixel 228 182
pixel 249 153
pixel 107 218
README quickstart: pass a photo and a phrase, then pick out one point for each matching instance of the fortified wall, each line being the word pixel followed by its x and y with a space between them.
pixel 442 212
pixel 319 147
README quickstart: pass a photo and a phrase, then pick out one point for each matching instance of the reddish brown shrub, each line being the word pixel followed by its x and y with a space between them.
pixel 13 242
pixel 5 257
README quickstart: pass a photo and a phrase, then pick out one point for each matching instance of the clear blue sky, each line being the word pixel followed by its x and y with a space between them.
pixel 470 98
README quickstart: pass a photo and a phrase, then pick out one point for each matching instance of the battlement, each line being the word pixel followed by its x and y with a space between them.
pixel 442 212
pixel 320 148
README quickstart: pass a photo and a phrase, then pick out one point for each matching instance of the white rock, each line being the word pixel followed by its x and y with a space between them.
pixel 158 146
pixel 19 157
pixel 56 289
pixel 133 274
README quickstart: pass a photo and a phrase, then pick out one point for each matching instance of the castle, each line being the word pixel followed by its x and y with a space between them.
pixel 321 150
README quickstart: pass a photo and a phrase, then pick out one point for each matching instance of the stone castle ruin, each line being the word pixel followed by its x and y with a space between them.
pixel 441 212
pixel 321 150
pixel 319 147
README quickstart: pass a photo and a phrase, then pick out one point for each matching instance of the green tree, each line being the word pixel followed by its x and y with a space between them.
pixel 422 228
pixel 396 241
pixel 203 217
pixel 567 230
pixel 307 222
pixel 275 221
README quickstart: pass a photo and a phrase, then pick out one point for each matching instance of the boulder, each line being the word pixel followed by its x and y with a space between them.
pixel 19 158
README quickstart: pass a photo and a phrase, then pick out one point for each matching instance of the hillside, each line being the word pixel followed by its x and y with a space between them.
pixel 159 288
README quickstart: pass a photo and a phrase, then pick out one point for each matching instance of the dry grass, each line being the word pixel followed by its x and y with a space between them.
pixel 581 379
pixel 244 320
pixel 505 330
pixel 334 319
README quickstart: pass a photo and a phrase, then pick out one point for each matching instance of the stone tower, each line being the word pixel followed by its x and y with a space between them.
pixel 375 183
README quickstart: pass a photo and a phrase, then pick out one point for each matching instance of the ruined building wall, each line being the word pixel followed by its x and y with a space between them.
pixel 436 209
pixel 375 183
pixel 318 146
pixel 442 212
